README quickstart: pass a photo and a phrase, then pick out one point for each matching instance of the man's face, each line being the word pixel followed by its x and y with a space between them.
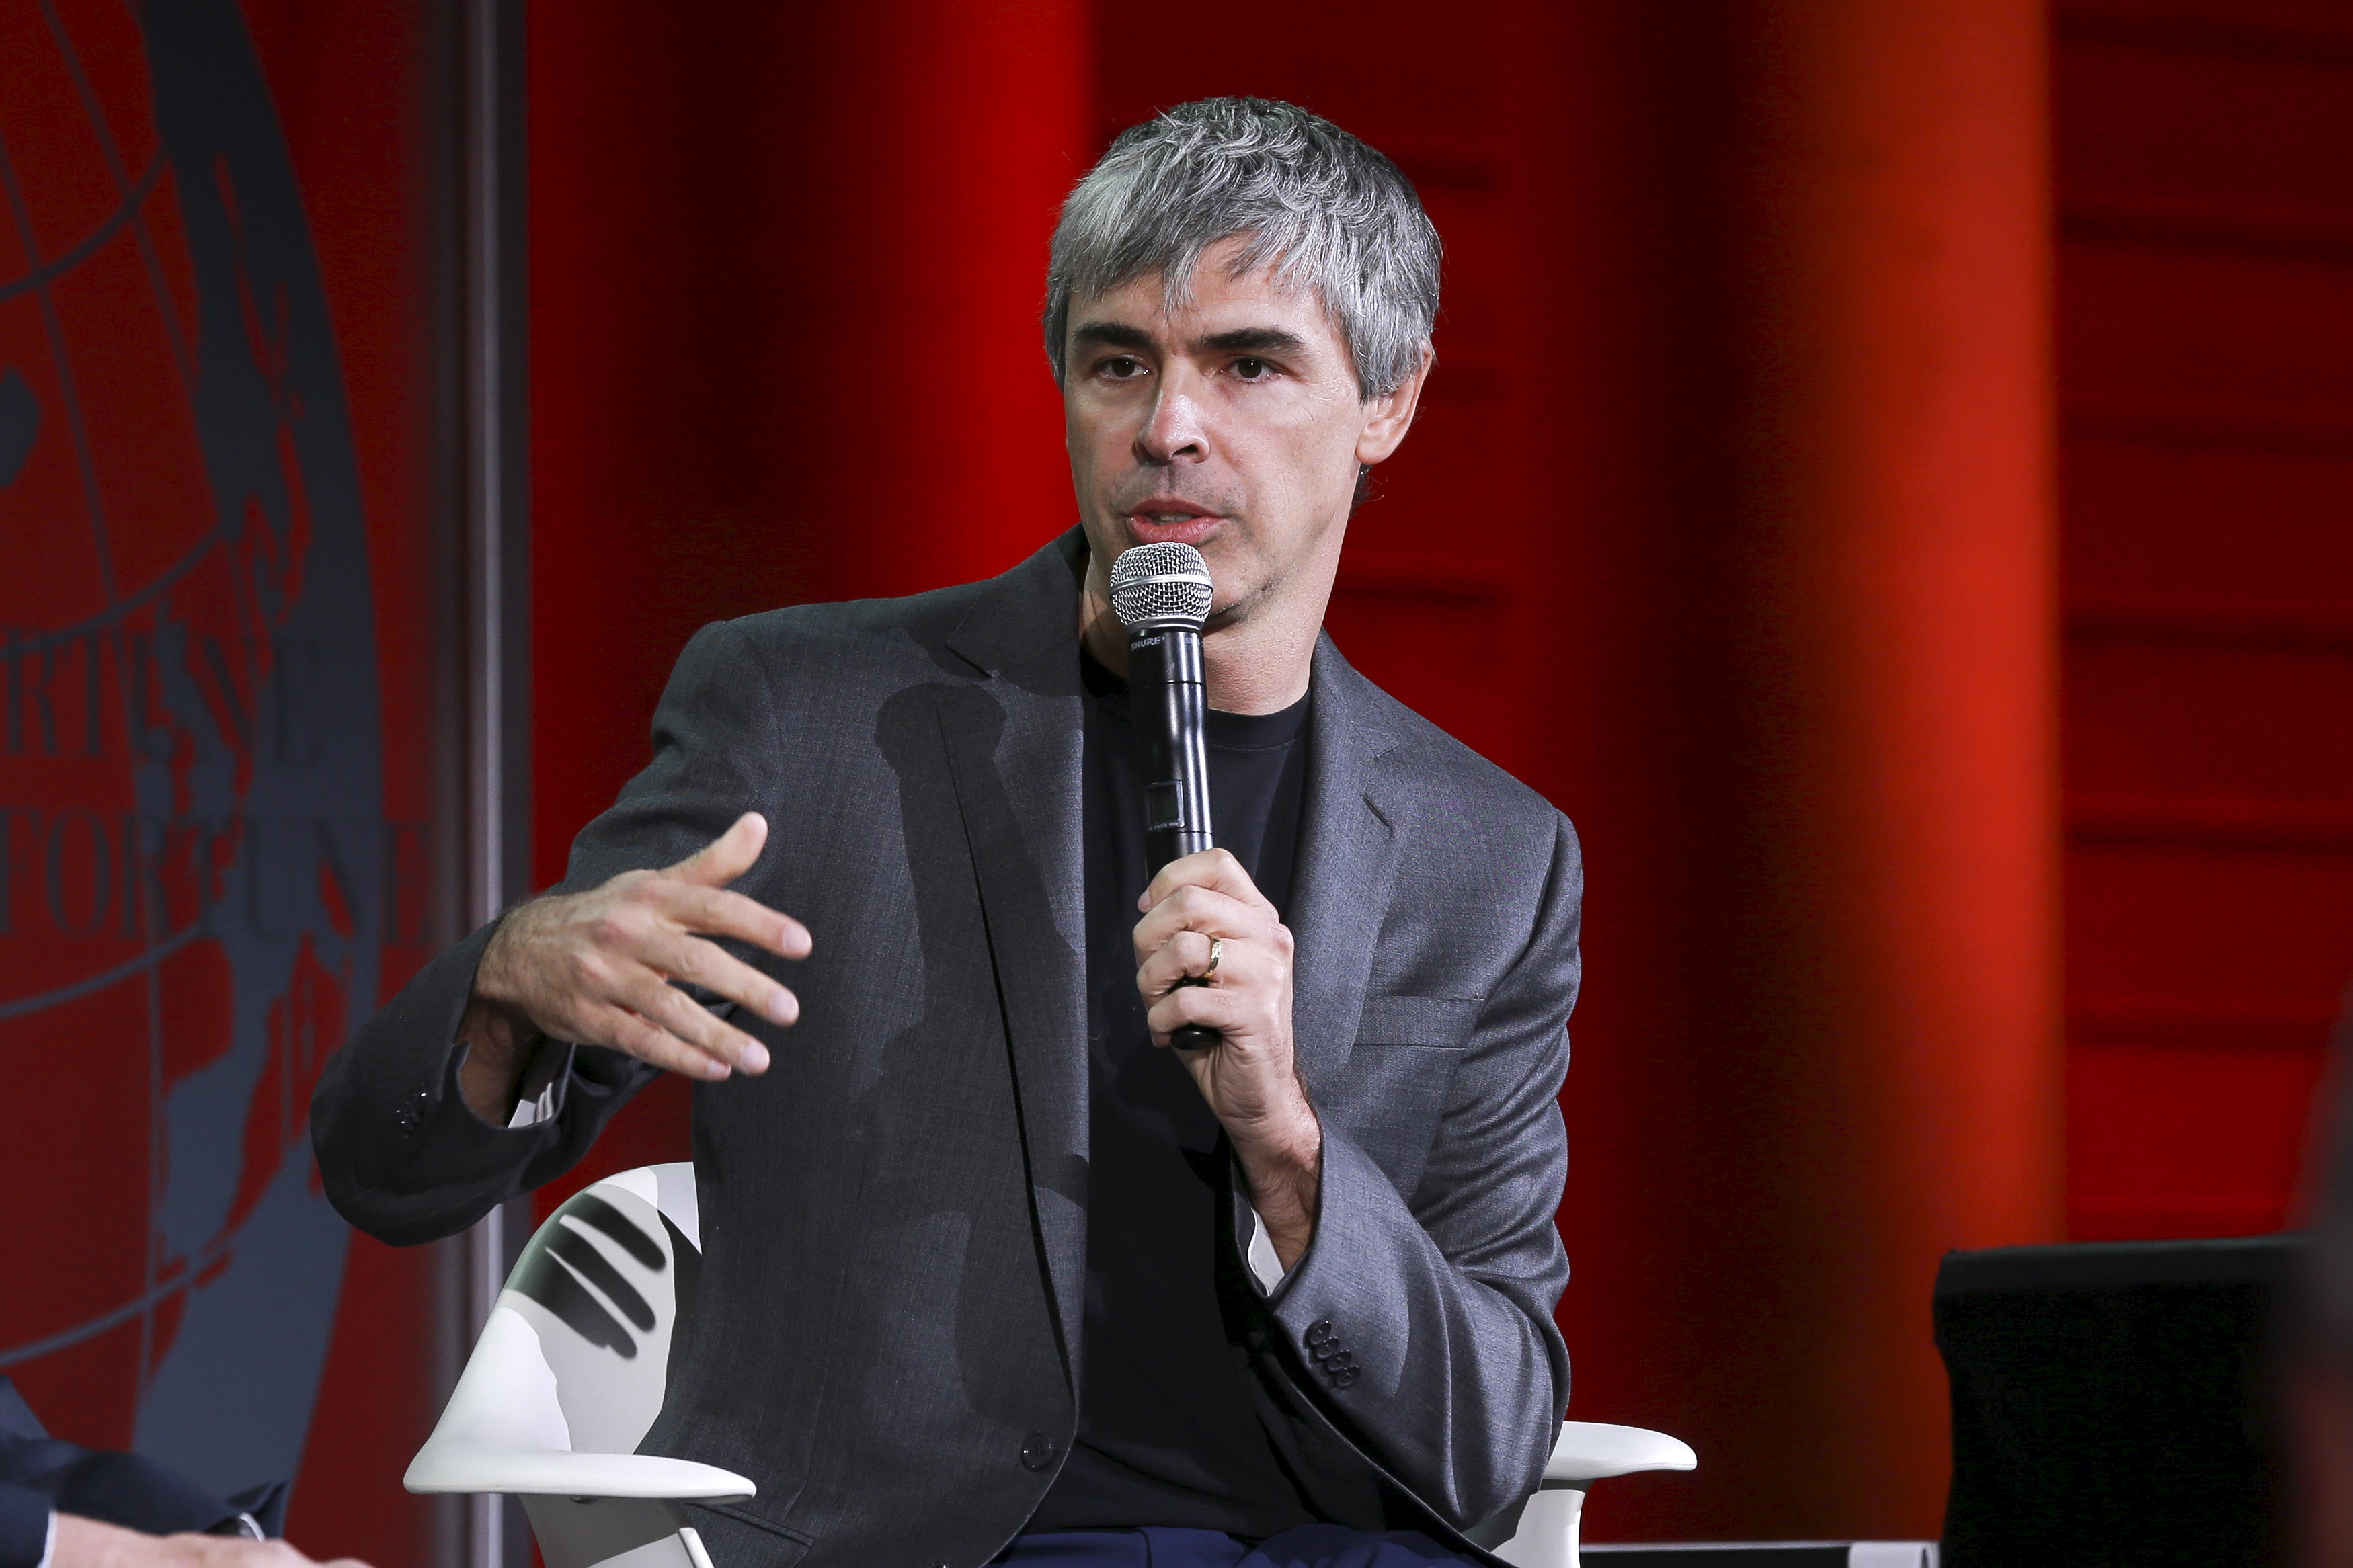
pixel 1230 423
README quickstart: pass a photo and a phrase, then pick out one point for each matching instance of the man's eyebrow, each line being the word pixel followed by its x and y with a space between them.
pixel 1111 336
pixel 1245 339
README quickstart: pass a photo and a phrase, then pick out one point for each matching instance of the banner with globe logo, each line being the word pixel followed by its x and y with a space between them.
pixel 192 843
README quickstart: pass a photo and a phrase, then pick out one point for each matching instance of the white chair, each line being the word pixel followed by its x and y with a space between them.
pixel 568 1375
pixel 1587 1452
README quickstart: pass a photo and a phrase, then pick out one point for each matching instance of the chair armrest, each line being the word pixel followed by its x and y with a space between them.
pixel 1591 1451
pixel 457 1467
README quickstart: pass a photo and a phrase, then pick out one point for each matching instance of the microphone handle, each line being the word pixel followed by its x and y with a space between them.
pixel 1168 697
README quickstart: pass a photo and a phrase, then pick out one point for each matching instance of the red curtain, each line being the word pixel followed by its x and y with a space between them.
pixel 1725 526
pixel 1728 526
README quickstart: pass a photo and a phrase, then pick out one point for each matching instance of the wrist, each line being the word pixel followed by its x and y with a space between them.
pixel 1284 1167
pixel 497 1043
pixel 1282 1133
pixel 1285 1146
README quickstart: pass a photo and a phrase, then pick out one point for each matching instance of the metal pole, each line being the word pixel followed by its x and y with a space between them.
pixel 490 390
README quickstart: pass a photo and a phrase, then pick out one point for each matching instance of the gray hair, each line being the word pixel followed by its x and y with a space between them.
pixel 1329 212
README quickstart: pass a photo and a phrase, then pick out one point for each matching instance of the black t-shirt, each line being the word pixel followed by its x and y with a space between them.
pixel 1167 1436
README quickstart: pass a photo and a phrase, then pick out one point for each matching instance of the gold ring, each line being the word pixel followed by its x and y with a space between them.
pixel 1216 951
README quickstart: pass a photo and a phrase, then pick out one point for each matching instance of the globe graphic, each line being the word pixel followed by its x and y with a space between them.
pixel 191 835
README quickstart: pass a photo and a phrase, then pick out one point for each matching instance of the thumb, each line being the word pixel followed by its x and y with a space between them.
pixel 727 857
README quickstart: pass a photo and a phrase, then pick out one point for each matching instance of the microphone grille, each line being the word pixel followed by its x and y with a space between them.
pixel 1160 583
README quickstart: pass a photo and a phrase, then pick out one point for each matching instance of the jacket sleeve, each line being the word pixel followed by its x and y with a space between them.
pixel 402 1156
pixel 1423 1327
pixel 24 1517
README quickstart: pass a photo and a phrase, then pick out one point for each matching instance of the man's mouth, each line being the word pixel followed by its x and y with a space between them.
pixel 1164 521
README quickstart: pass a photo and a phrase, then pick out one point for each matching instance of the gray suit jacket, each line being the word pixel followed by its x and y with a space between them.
pixel 894 1215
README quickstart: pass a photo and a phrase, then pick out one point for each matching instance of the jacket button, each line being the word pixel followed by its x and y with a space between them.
pixel 1318 1331
pixel 1346 1375
pixel 1036 1451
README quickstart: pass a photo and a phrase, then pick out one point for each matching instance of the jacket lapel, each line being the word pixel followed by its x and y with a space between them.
pixel 1015 751
pixel 1354 817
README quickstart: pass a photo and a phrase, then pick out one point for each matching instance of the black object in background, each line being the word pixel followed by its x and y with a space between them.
pixel 2111 1402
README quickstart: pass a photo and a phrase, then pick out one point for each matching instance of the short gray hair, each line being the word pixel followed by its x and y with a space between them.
pixel 1329 212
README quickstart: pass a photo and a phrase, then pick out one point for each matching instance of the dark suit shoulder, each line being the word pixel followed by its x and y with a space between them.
pixel 927 617
pixel 1445 767
pixel 967 629
pixel 888 629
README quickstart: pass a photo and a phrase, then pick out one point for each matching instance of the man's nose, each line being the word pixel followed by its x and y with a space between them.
pixel 1175 431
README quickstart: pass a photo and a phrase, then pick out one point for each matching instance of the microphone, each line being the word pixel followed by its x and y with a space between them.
pixel 1161 594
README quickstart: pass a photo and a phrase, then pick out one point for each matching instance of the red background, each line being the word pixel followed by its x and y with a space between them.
pixel 1663 544
pixel 352 82
pixel 782 349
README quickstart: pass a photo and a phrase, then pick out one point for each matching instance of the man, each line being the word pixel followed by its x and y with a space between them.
pixel 985 1260
pixel 65 1506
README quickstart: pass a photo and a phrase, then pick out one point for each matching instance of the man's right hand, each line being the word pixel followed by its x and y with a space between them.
pixel 595 967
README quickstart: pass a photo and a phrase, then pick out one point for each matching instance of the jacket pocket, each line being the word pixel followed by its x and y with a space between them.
pixel 1400 1078
pixel 1441 1023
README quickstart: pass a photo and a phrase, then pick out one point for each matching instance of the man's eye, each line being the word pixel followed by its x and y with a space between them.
pixel 1121 369
pixel 1252 368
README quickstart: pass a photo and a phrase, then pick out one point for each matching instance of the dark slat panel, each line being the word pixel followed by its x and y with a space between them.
pixel 2205 315
pixel 2303 429
pixel 2286 234
pixel 2208 330
pixel 2256 826
pixel 2240 1023
pixel 2313 32
pixel 2161 534
pixel 2193 920
pixel 2263 727
pixel 2163 126
pixel 2208 622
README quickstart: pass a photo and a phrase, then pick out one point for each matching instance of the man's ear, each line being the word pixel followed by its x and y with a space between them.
pixel 1389 416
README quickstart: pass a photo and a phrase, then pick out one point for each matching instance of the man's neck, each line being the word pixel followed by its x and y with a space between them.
pixel 1257 664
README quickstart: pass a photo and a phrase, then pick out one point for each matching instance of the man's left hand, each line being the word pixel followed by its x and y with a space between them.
pixel 1250 1079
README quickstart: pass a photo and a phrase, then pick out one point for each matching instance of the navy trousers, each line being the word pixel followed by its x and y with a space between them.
pixel 1309 1546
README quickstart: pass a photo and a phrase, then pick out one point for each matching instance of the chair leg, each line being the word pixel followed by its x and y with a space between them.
pixel 614 1532
pixel 1547 1534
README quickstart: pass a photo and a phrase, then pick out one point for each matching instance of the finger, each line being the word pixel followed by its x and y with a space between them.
pixel 651 1043
pixel 1200 909
pixel 1212 869
pixel 673 1010
pixel 1185 956
pixel 712 967
pixel 727 857
pixel 714 912
pixel 1222 1008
